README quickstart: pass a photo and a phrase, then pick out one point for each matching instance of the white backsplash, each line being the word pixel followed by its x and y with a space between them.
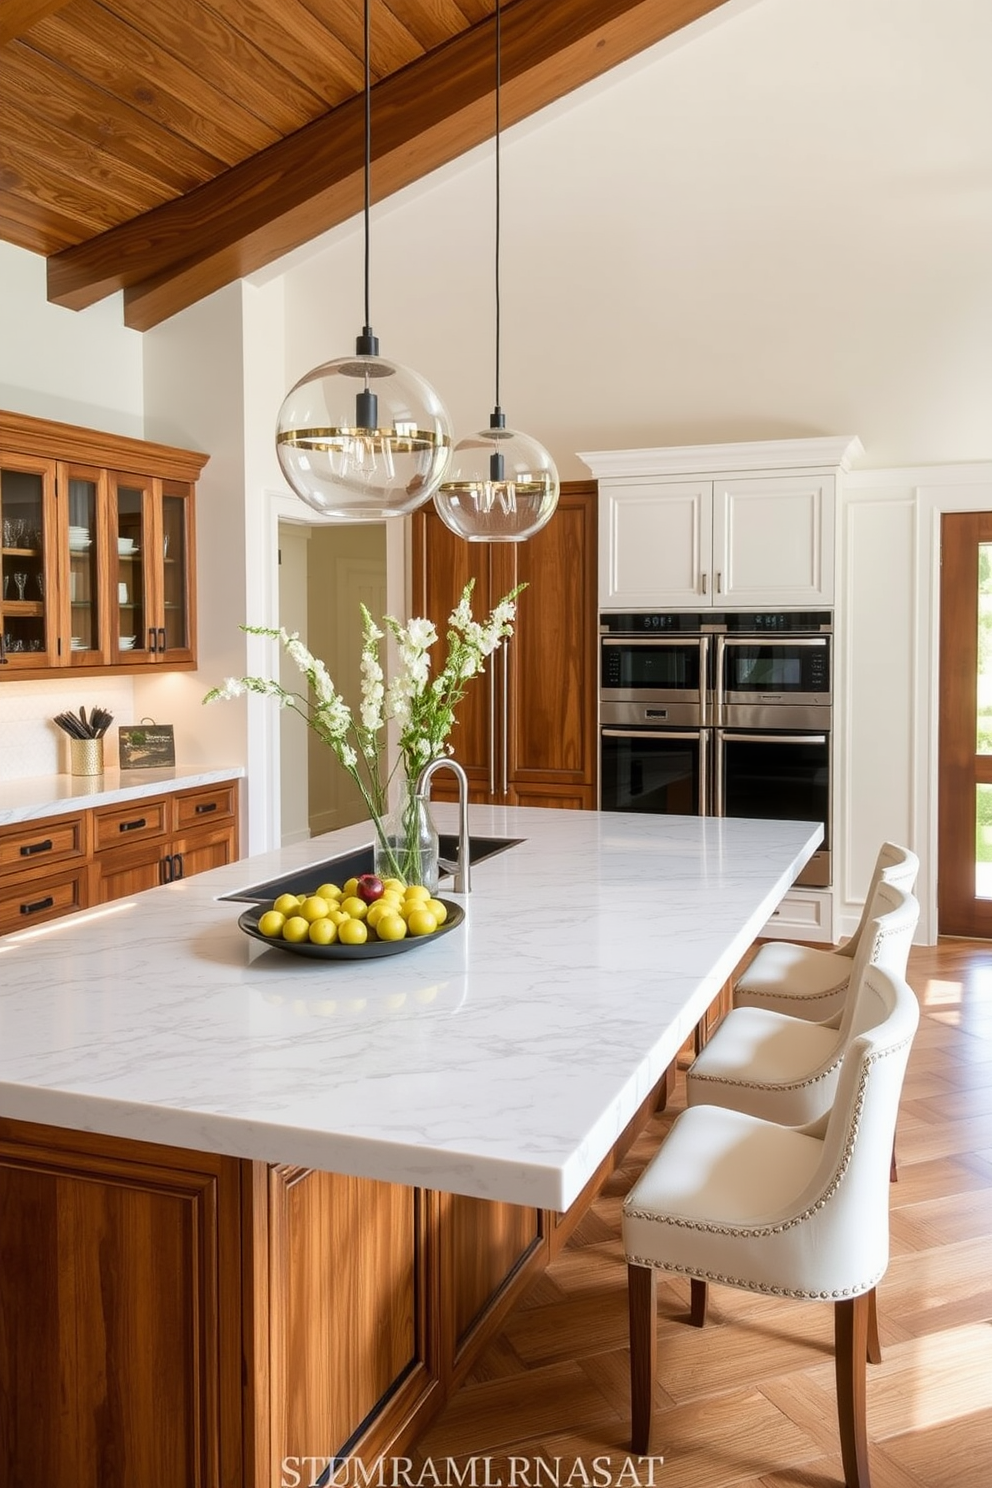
pixel 31 744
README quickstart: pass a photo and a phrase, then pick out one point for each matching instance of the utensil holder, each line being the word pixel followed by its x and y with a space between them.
pixel 86 756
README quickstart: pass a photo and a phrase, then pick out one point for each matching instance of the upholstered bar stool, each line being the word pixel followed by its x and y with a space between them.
pixel 793 1212
pixel 809 981
pixel 783 1068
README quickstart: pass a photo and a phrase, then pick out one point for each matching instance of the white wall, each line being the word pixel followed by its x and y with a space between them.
pixel 781 229
pixel 80 367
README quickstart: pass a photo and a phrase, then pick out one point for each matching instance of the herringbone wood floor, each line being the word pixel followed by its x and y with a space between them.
pixel 749 1400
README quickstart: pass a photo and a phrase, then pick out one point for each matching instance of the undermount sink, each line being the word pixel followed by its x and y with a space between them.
pixel 362 860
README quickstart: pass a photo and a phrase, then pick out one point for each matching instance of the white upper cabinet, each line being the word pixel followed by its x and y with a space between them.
pixel 726 526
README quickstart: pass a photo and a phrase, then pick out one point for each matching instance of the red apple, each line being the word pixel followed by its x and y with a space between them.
pixel 369 887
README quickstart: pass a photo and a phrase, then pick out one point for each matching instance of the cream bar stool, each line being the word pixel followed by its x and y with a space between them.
pixel 810 982
pixel 785 1069
pixel 786 1211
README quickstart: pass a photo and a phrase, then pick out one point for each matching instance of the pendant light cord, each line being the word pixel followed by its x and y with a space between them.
pixel 498 82
pixel 368 158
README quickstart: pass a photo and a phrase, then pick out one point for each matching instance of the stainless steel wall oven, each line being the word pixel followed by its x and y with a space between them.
pixel 719 714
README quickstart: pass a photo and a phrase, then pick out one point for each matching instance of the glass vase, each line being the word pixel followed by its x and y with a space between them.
pixel 406 842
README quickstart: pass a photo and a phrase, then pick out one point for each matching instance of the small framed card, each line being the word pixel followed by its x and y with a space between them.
pixel 147 746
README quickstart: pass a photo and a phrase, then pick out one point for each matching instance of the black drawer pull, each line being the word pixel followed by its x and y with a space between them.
pixel 41 904
pixel 204 807
pixel 178 870
pixel 30 848
pixel 165 870
pixel 132 826
pixel 161 638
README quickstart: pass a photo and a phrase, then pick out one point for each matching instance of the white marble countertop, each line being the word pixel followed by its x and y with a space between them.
pixel 501 1060
pixel 56 795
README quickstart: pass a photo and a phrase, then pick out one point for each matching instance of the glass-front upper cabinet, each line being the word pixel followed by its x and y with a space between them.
pixel 151 521
pixel 97 550
pixel 28 563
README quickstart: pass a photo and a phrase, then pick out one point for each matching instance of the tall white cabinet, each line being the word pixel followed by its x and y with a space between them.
pixel 727 526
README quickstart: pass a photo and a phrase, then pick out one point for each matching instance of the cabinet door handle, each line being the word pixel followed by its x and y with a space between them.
pixel 165 870
pixel 45 903
pixel 492 729
pixel 704 578
pixel 505 769
pixel 132 826
pixel 719 582
pixel 204 807
pixel 161 638
pixel 151 638
pixel 30 848
pixel 178 870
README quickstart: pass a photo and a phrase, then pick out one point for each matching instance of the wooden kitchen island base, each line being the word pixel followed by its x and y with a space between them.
pixel 171 1319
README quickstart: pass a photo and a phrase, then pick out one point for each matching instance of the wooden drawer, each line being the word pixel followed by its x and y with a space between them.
pixel 135 821
pixel 29 846
pixel 42 898
pixel 201 807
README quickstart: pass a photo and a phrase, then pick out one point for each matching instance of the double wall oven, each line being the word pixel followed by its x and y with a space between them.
pixel 719 714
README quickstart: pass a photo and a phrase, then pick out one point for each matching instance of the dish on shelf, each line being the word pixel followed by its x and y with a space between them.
pixel 77 644
pixel 127 642
pixel 248 921
pixel 79 544
pixel 127 547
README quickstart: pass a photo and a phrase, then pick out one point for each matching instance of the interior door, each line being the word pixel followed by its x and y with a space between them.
pixel 964 878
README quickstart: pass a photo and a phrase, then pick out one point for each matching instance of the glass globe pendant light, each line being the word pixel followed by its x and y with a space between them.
pixel 361 438
pixel 501 485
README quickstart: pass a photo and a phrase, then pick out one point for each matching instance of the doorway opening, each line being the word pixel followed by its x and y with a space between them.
pixel 326 572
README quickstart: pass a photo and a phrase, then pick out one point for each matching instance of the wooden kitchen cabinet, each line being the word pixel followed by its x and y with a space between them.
pixel 139 845
pixel 58 864
pixel 44 870
pixel 98 556
pixel 526 730
pixel 120 1292
pixel 180 1319
pixel 719 526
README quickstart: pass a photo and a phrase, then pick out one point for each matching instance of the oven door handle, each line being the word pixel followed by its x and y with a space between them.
pixel 743 738
pixel 765 638
pixel 613 733
pixel 654 641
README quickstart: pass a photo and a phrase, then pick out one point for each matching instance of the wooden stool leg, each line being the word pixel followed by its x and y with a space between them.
pixel 698 1298
pixel 850 1350
pixel 642 1304
pixel 874 1348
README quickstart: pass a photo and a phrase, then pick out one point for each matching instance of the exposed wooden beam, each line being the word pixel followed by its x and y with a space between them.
pixel 423 117
pixel 18 16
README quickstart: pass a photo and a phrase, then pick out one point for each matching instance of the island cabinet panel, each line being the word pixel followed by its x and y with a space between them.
pixel 526 731
pixel 120 1300
pixel 347 1349
pixel 485 1245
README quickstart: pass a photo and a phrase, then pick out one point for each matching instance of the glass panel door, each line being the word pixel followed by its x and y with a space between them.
pixel 174 561
pixel 23 605
pixel 84 595
pixel 131 584
pixel 656 772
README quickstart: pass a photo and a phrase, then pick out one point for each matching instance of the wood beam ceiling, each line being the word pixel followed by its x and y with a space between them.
pixel 422 117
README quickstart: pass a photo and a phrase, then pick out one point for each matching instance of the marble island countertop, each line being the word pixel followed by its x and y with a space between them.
pixel 501 1060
